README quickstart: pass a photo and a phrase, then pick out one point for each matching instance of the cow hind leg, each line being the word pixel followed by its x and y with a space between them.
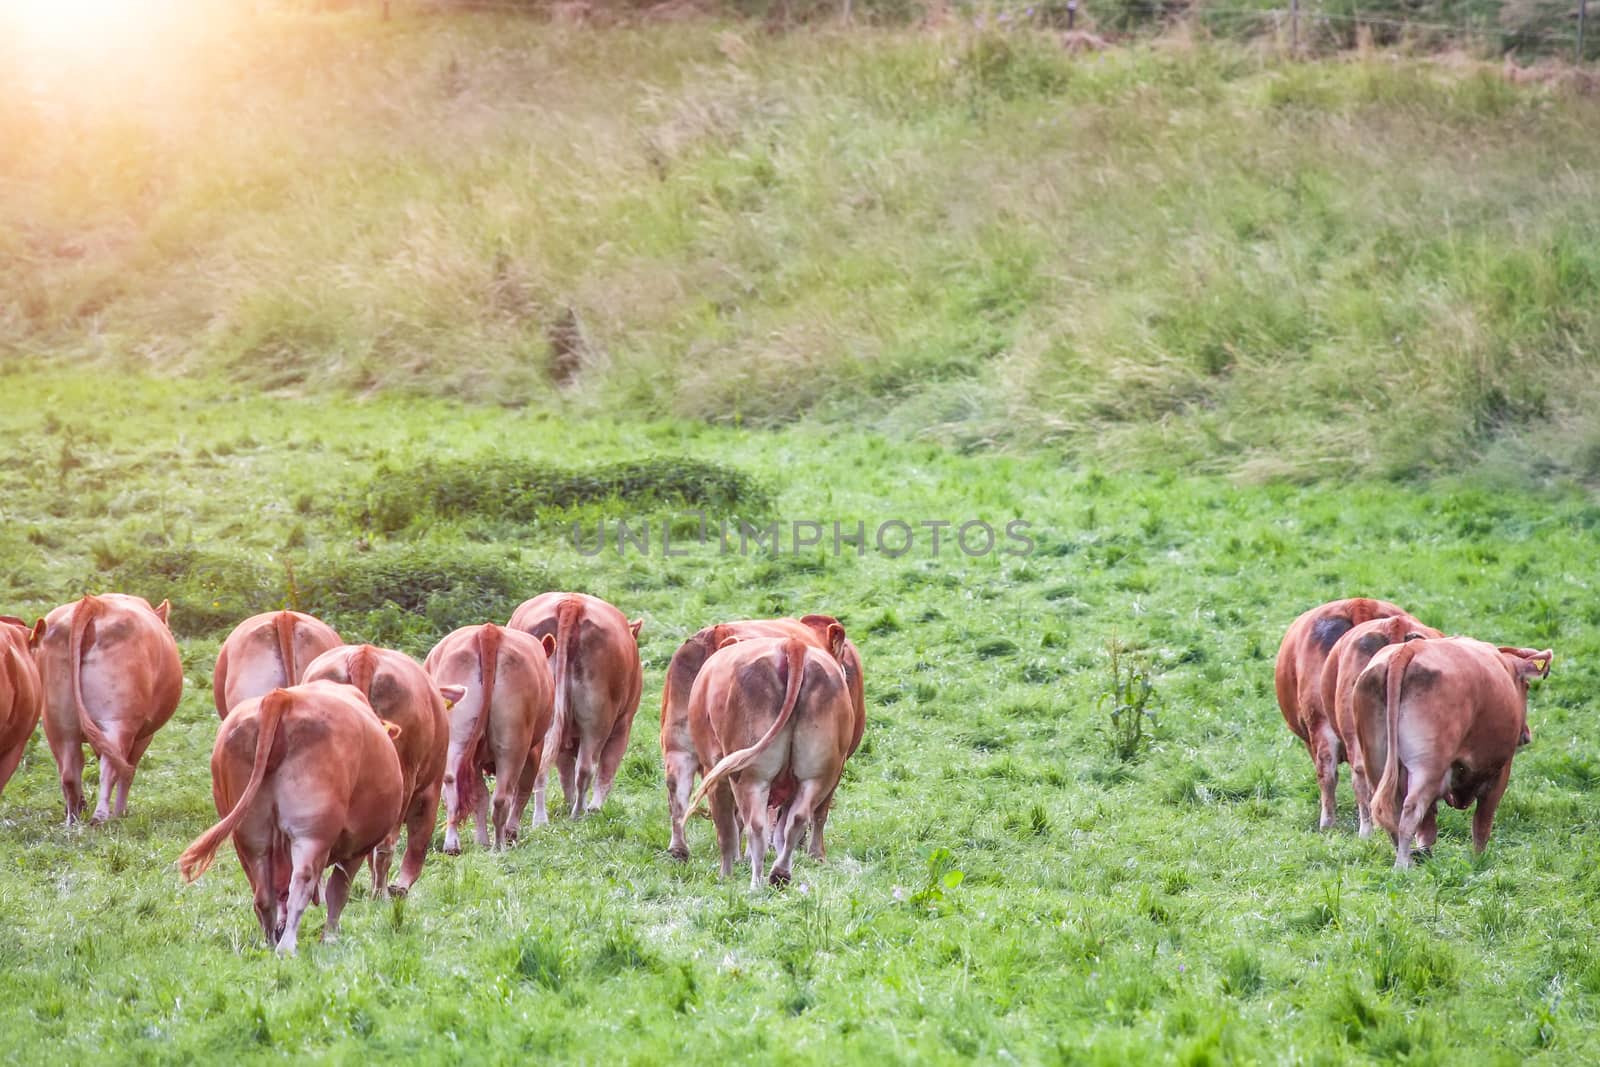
pixel 1428 829
pixel 308 856
pixel 1362 786
pixel 1325 754
pixel 108 782
pixel 264 888
pixel 541 814
pixel 726 822
pixel 453 814
pixel 1421 789
pixel 423 817
pixel 69 764
pixel 567 769
pixel 753 806
pixel 795 821
pixel 135 754
pixel 1483 812
pixel 507 786
pixel 526 784
pixel 380 860
pixel 586 765
pixel 9 762
pixel 338 892
pixel 681 769
pixel 819 820
pixel 611 754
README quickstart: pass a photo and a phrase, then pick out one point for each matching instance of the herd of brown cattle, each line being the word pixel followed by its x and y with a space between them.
pixel 327 751
pixel 1441 717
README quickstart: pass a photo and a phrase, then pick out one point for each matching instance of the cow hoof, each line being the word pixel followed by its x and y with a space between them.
pixel 397 892
pixel 779 878
pixel 679 854
pixel 452 850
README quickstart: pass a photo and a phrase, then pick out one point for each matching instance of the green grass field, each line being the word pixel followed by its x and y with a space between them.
pixel 1233 336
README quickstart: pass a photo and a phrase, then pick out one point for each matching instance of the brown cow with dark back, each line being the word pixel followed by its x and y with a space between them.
pixel 677 745
pixel 1443 718
pixel 1301 657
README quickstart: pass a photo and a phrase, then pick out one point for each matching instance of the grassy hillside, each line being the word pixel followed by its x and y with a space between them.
pixel 1164 254
pixel 1180 906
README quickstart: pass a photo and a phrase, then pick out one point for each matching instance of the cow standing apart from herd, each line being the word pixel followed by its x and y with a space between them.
pixel 1364 682
pixel 327 751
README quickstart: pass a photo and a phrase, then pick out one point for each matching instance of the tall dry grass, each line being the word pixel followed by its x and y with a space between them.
pixel 1168 254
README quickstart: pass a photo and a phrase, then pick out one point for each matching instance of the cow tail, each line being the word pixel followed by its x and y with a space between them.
pixel 569 617
pixel 469 780
pixel 283 622
pixel 198 856
pixel 1385 795
pixel 363 665
pixel 82 616
pixel 794 655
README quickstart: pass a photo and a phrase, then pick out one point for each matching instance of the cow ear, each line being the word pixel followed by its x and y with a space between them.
pixel 452 695
pixel 392 729
pixel 726 641
pixel 836 640
pixel 164 610
pixel 549 643
pixel 1529 662
pixel 636 625
pixel 37 635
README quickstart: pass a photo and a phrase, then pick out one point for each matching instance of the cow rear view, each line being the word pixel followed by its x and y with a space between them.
pixel 304 778
pixel 266 652
pixel 112 678
pixel 772 723
pixel 1443 719
pixel 400 692
pixel 595 666
pixel 677 745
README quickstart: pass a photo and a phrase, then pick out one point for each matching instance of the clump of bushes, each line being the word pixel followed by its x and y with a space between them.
pixel 518 490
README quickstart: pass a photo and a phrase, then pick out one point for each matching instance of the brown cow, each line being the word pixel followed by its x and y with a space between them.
pixel 498 726
pixel 112 678
pixel 1349 657
pixel 21 695
pixel 1443 718
pixel 267 652
pixel 598 682
pixel 677 746
pixel 304 778
pixel 1305 649
pixel 400 692
pixel 772 722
